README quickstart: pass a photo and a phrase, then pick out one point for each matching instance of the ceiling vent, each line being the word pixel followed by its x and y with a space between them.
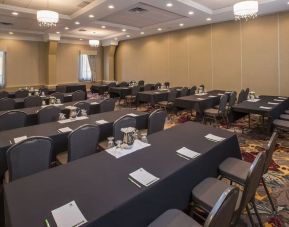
pixel 84 3
pixel 138 10
pixel 6 23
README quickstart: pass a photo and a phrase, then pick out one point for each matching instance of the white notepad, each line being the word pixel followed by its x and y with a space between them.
pixel 278 100
pixel 70 107
pixel 64 130
pixel 212 96
pixel 132 114
pixel 220 94
pixel 265 107
pixel 94 103
pixel 273 103
pixel 68 215
pixel 65 121
pixel 200 99
pixel 253 100
pixel 143 177
pixel 214 138
pixel 81 118
pixel 19 139
pixel 188 153
pixel 284 98
pixel 101 122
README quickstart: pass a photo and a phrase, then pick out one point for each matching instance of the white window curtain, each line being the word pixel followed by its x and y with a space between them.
pixel 2 68
pixel 85 73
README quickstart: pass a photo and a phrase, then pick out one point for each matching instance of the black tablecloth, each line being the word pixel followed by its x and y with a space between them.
pixel 32 111
pixel 68 88
pixel 152 97
pixel 200 103
pixel 60 140
pixel 100 187
pixel 254 107
pixel 99 88
pixel 119 91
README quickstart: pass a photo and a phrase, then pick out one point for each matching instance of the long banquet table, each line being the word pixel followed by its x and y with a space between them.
pixel 100 187
pixel 152 97
pixel 68 88
pixel 60 139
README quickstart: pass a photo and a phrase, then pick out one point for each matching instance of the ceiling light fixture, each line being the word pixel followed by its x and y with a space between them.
pixel 123 30
pixel 66 28
pixel 47 18
pixel 181 25
pixel 11 33
pixel 103 26
pixel 111 6
pixel 191 13
pixel 91 16
pixel 77 22
pixel 169 4
pixel 80 39
pixel 209 19
pixel 127 36
pixel 142 33
pixel 15 13
pixel 57 32
pixel 246 10
pixel 93 43
pixel 160 29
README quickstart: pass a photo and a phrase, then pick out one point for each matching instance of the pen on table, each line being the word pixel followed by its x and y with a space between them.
pixel 132 181
pixel 47 223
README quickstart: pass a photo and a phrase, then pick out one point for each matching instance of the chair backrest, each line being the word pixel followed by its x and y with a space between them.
pixel 247 92
pixel 107 105
pixel 123 122
pixel 48 114
pixel 12 119
pixel 83 106
pixel 135 90
pixel 193 90
pixel 202 86
pixel 270 150
pixel 148 87
pixel 156 121
pixel 167 84
pixel 123 84
pixel 44 89
pixel 58 95
pixel 241 97
pixel 7 104
pixel 252 182
pixel 141 83
pixel 78 96
pixel 222 212
pixel 32 101
pixel 21 93
pixel 157 85
pixel 112 84
pixel 28 157
pixel 60 89
pixel 83 141
pixel 232 99
pixel 184 91
pixel 172 95
pixel 223 103
pixel 3 94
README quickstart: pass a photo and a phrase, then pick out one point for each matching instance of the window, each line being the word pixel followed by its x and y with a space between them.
pixel 87 67
pixel 2 68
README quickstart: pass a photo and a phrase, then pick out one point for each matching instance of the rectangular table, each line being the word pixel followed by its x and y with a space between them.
pixel 68 88
pixel 120 91
pixel 249 107
pixel 99 88
pixel 152 97
pixel 60 139
pixel 99 183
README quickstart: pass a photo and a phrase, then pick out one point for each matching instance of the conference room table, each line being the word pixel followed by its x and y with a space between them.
pixel 152 97
pixel 200 102
pixel 120 92
pixel 99 88
pixel 266 106
pixel 100 187
pixel 69 88
pixel 60 139
pixel 32 111
pixel 12 94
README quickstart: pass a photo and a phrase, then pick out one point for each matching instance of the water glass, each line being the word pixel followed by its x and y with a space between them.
pixel 144 138
pixel 110 142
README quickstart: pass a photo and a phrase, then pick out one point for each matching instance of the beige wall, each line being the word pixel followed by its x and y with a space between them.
pixel 229 55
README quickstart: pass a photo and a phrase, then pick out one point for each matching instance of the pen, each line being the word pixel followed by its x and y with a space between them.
pixel 132 181
pixel 47 223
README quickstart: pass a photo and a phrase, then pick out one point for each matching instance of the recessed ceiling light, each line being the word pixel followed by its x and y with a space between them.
pixel 169 4
pixel 91 16
pixel 115 38
pixel 66 28
pixel 14 13
pixel 111 6
pixel 181 25
pixel 77 22
pixel 124 30
pixel 57 32
pixel 209 19
pixel 142 33
pixel 103 26
pixel 288 3
pixel 80 39
pixel 160 29
pixel 191 13
pixel 11 33
pixel 127 36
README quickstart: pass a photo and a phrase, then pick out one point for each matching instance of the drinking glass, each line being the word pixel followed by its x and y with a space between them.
pixel 110 142
pixel 118 143
pixel 144 138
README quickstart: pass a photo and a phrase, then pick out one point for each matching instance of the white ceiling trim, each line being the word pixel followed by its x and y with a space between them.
pixel 196 6
pixel 87 8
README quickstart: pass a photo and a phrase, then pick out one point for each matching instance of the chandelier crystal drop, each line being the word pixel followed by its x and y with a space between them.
pixel 93 42
pixel 47 18
pixel 246 10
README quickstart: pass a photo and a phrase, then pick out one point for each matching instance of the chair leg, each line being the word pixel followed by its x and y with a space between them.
pixel 257 213
pixel 250 215
pixel 268 194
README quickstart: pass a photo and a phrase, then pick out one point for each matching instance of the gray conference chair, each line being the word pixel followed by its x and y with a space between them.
pixel 284 117
pixel 123 122
pixel 157 85
pixel 3 94
pixel 78 96
pixel 58 95
pixel 148 87
pixel 12 119
pixel 21 93
pixel 213 113
pixel 281 124
pixel 28 157
pixel 206 194
pixel 247 91
pixel 45 90
pixel 32 101
pixel 156 121
pixel 220 216
pixel 141 83
pixel 7 104
pixel 171 100
pixel 130 99
pixel 112 84
pixel 60 89
pixel 82 105
pixel 123 84
pixel 193 90
pixel 81 143
pixel 184 92
pixel 242 96
pixel 237 170
pixel 107 105
pixel 48 114
pixel 167 84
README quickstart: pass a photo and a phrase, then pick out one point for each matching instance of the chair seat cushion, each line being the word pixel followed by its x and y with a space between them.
pixel 235 170
pixel 281 124
pixel 207 193
pixel 62 157
pixel 6 177
pixel 212 111
pixel 287 112
pixel 284 117
pixel 174 218
pixel 130 97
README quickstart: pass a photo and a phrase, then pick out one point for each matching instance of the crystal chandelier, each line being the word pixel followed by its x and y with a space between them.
pixel 246 10
pixel 47 18
pixel 93 42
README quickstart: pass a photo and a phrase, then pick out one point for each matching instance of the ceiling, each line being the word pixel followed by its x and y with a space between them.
pixel 127 19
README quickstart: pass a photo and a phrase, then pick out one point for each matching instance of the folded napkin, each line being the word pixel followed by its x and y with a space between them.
pixel 278 100
pixel 94 103
pixel 265 107
pixel 65 121
pixel 19 139
pixel 253 100
pixel 200 99
pixel 132 114
pixel 187 153
pixel 214 138
pixel 212 96
pixel 64 130
pixel 273 103
pixel 284 98
pixel 144 177
pixel 101 122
